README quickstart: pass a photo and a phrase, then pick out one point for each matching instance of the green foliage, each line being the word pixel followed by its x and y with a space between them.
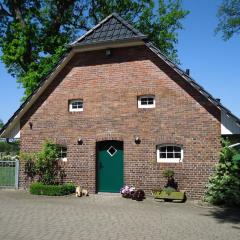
pixel 229 18
pixel 47 163
pixel 34 34
pixel 30 166
pixel 39 188
pixel 168 173
pixel 44 164
pixel 224 185
pixel 169 190
pixel 9 148
pixel 1 124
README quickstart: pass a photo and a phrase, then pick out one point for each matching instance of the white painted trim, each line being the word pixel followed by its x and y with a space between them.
pixel 71 109
pixel 111 153
pixel 169 160
pixel 228 125
pixel 64 159
pixel 146 106
pixel 107 45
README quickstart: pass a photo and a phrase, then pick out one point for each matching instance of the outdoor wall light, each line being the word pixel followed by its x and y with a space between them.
pixel 137 140
pixel 108 52
pixel 80 141
pixel 30 125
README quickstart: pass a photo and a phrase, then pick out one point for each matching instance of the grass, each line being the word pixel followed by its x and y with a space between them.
pixel 7 176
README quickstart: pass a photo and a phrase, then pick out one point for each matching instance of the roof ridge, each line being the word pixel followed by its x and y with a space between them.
pixel 129 26
pixel 118 18
pixel 91 30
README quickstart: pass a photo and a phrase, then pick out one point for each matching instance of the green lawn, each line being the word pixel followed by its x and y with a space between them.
pixel 7 176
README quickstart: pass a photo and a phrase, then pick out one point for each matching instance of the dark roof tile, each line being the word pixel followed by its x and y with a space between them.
pixel 111 28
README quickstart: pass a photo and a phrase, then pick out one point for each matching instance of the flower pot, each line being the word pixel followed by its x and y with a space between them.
pixel 171 196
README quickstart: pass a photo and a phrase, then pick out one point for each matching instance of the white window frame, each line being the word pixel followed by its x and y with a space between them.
pixel 71 109
pixel 140 98
pixel 64 159
pixel 169 160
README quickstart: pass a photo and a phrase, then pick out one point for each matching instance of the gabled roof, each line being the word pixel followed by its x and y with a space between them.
pixel 112 28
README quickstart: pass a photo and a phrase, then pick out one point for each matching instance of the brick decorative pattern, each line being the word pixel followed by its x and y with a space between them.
pixel 109 87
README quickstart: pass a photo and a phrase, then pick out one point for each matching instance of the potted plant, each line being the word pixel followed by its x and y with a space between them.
pixel 170 191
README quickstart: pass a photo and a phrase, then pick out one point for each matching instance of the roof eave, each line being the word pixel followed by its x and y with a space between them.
pixel 191 81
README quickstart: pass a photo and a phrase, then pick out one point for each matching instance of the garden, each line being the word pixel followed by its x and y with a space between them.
pixel 44 170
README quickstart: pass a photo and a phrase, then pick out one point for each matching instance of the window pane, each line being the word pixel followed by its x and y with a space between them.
pixel 150 100
pixel 177 149
pixel 170 155
pixel 177 155
pixel 64 155
pixel 77 104
pixel 162 155
pixel 163 149
pixel 170 148
pixel 147 100
pixel 63 152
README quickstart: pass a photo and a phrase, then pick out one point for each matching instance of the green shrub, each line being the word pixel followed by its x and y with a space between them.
pixel 44 164
pixel 224 185
pixel 168 173
pixel 9 148
pixel 39 188
pixel 169 190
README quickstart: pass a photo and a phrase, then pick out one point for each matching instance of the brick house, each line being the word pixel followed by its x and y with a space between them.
pixel 123 112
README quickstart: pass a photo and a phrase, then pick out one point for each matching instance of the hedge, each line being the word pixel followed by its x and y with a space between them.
pixel 39 188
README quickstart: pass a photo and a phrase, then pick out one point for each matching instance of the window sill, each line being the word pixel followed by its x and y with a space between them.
pixel 172 160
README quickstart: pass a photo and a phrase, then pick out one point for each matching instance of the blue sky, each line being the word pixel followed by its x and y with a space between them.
pixel 214 63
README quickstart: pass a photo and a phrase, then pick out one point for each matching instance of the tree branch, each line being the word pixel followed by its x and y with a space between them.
pixel 4 11
pixel 18 14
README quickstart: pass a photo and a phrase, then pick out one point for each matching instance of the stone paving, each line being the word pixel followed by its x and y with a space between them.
pixel 27 217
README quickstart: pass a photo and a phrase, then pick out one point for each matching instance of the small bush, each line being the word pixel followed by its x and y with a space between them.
pixel 39 188
pixel 45 164
pixel 169 190
pixel 224 185
pixel 168 173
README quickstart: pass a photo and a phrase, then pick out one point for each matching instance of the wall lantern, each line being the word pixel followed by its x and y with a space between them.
pixel 30 125
pixel 80 141
pixel 108 52
pixel 137 140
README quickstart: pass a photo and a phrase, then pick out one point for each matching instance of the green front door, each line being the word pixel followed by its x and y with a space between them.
pixel 109 166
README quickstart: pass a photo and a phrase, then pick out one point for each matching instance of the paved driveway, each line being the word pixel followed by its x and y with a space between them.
pixel 27 217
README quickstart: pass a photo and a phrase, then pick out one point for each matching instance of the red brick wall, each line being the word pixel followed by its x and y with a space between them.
pixel 109 87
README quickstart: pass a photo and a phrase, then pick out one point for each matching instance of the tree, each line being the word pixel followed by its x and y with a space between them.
pixel 1 124
pixel 34 33
pixel 229 18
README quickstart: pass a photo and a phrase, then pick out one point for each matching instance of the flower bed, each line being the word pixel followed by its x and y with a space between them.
pixel 39 188
pixel 133 193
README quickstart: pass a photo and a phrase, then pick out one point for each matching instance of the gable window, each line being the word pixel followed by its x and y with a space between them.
pixel 76 105
pixel 63 153
pixel 169 153
pixel 146 101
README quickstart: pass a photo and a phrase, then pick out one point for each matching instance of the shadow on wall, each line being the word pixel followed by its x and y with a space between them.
pixel 226 215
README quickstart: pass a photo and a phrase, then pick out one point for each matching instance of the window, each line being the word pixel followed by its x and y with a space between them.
pixel 169 153
pixel 63 153
pixel 112 150
pixel 147 101
pixel 76 105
